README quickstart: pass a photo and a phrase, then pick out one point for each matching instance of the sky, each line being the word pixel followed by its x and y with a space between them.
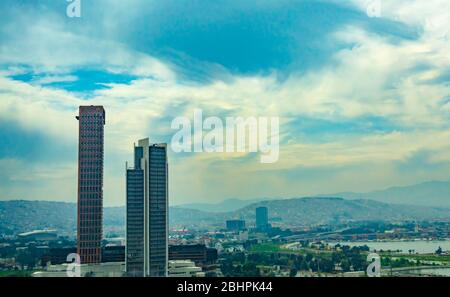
pixel 363 99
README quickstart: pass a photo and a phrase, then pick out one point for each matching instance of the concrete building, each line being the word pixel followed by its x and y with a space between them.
pixel 56 256
pixel 90 183
pixel 235 225
pixel 83 270
pixel 184 268
pixel 113 254
pixel 147 211
pixel 39 235
pixel 198 253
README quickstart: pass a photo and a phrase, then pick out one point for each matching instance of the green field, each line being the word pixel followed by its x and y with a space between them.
pixel 266 248
pixel 434 258
pixel 16 273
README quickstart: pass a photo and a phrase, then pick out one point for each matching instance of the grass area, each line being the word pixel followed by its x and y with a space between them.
pixel 16 273
pixel 435 258
pixel 420 257
pixel 266 248
pixel 277 248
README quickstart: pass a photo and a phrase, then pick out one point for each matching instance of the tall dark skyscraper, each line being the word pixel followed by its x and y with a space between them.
pixel 90 183
pixel 147 211
pixel 262 217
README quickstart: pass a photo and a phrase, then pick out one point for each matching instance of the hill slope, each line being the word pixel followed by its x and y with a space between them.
pixel 21 216
pixel 306 211
pixel 224 206
pixel 434 193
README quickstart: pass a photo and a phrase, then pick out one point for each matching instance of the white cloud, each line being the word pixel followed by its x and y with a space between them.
pixel 49 47
pixel 376 77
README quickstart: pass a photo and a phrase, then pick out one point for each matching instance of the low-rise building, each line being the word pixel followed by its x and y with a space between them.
pixel 184 268
pixel 39 235
pixel 84 270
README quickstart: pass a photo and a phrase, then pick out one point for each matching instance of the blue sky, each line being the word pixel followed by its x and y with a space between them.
pixel 363 101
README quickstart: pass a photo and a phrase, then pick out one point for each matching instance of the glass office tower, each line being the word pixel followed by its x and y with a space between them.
pixel 147 211
pixel 90 183
pixel 262 218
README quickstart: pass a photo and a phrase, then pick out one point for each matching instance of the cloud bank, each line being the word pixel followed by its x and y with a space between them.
pixel 364 102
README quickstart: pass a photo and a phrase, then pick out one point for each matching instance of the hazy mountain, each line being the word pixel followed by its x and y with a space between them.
pixel 324 210
pixel 224 206
pixel 433 194
pixel 186 217
pixel 21 216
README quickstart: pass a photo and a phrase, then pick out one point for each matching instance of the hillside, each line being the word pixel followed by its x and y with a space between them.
pixel 434 194
pixel 223 206
pixel 21 216
pixel 306 211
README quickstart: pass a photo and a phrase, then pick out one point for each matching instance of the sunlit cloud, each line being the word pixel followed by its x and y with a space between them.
pixel 373 94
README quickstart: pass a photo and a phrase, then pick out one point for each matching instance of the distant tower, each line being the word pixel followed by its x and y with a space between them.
pixel 147 211
pixel 90 183
pixel 262 218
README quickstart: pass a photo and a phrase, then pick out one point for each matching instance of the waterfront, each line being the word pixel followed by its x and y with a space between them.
pixel 422 247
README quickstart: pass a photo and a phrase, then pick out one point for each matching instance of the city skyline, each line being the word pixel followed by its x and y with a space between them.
pixel 363 101
pixel 235 147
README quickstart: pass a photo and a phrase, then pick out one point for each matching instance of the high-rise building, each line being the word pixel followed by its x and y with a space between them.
pixel 90 183
pixel 147 211
pixel 262 218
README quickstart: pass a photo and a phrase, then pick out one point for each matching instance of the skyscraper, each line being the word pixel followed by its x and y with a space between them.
pixel 147 211
pixel 90 183
pixel 262 218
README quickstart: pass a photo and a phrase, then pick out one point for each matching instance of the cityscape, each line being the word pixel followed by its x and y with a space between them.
pixel 203 140
pixel 267 247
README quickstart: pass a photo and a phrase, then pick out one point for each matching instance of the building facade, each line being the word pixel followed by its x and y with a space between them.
pixel 90 183
pixel 262 218
pixel 198 253
pixel 235 225
pixel 184 268
pixel 147 211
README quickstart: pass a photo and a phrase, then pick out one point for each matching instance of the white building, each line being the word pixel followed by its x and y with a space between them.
pixel 184 268
pixel 84 270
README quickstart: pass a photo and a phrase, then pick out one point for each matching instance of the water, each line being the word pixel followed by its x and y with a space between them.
pixel 420 246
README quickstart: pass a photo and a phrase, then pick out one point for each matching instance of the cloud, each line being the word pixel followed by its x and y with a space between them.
pixel 353 94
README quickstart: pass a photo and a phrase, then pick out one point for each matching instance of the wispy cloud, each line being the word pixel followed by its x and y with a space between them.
pixel 354 94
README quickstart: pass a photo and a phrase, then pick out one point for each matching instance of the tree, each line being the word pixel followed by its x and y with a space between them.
pixel 304 265
pixel 345 264
pixel 250 269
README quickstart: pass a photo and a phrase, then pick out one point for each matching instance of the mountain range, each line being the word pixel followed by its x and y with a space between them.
pixel 425 201
pixel 22 216
pixel 223 206
pixel 433 193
